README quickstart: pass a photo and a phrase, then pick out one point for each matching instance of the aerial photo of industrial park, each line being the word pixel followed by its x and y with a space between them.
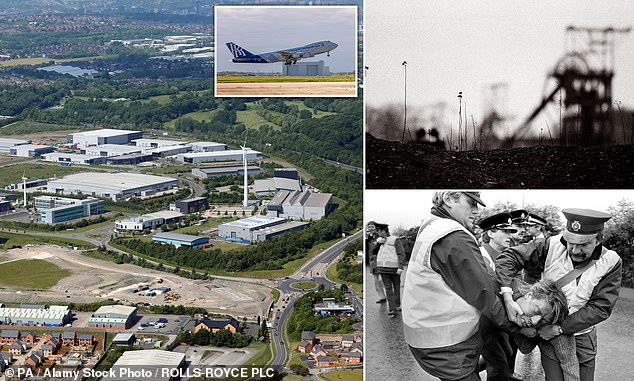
pixel 145 222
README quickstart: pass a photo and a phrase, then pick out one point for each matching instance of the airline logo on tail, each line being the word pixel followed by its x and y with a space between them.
pixel 236 50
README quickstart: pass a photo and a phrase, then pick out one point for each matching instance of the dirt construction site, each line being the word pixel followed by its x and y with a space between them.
pixel 93 280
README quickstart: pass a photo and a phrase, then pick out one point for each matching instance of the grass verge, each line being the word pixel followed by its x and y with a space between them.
pixel 33 274
pixel 19 240
pixel 333 276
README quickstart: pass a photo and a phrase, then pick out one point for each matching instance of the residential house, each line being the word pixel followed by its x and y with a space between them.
pixel 9 336
pixel 48 350
pixel 69 337
pixel 6 358
pixel 358 339
pixel 33 361
pixel 30 338
pixel 309 337
pixel 347 340
pixel 318 351
pixel 214 325
pixel 54 342
pixel 85 340
pixel 326 361
pixel 357 347
pixel 16 349
pixel 304 347
pixel 351 358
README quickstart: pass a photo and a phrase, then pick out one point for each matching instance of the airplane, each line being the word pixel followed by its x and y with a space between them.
pixel 289 56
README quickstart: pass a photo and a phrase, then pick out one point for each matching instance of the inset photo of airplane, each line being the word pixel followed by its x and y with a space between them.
pixel 282 51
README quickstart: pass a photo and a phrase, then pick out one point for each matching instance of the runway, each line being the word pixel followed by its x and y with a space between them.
pixel 298 89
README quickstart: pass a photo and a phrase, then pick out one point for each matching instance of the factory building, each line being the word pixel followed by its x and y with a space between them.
pixel 304 68
pixel 273 231
pixel 298 205
pixel 192 205
pixel 167 151
pixel 228 155
pixel 225 170
pixel 104 136
pixel 109 150
pixel 5 206
pixel 156 143
pixel 74 158
pixel 208 146
pixel 283 179
pixel 148 221
pixel 114 317
pixel 30 150
pixel 151 360
pixel 129 159
pixel 36 315
pixel 60 209
pixel 8 196
pixel 178 240
pixel 254 228
pixel 29 184
pixel 6 144
pixel 117 186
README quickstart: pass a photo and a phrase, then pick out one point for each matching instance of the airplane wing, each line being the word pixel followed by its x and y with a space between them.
pixel 285 53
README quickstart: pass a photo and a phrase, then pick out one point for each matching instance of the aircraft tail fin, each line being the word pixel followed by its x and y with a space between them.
pixel 239 52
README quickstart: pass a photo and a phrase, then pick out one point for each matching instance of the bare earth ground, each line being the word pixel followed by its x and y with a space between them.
pixel 392 165
pixel 298 89
pixel 94 279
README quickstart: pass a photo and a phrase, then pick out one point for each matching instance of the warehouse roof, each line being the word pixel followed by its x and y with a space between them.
pixel 116 181
pixel 178 236
pixel 220 153
pixel 105 132
pixel 151 357
pixel 254 221
pixel 116 309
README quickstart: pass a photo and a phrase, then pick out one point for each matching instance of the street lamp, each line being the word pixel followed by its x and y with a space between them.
pixel 405 104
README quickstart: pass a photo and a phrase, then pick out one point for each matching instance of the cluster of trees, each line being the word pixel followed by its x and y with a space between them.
pixel 304 319
pixel 221 338
pixel 177 310
pixel 619 236
pixel 348 267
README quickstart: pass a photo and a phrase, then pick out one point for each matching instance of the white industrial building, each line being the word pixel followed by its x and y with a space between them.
pixel 283 179
pixel 36 315
pixel 208 146
pixel 30 150
pixel 109 150
pixel 160 364
pixel 298 205
pixel 228 155
pixel 273 231
pixel 120 185
pixel 104 136
pixel 74 158
pixel 6 144
pixel 148 221
pixel 243 230
pixel 156 143
pixel 306 68
pixel 168 150
pixel 225 170
pixel 114 317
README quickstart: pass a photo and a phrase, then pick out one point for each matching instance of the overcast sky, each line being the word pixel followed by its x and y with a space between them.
pixel 461 45
pixel 263 29
pixel 407 208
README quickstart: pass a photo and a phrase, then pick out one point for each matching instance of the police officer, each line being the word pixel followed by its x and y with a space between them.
pixel 535 226
pixel 518 217
pixel 499 350
pixel 590 276
pixel 447 290
pixel 372 249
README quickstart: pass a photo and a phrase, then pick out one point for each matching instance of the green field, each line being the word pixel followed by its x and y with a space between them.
pixel 210 223
pixel 303 285
pixel 343 375
pixel 23 127
pixel 316 113
pixel 19 240
pixel 168 170
pixel 31 274
pixel 13 174
pixel 199 116
pixel 251 119
pixel 276 79
pixel 262 357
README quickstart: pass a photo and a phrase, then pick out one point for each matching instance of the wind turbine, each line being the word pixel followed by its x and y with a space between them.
pixel 245 201
pixel 24 186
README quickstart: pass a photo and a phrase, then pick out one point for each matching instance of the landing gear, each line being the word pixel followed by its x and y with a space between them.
pixel 328 54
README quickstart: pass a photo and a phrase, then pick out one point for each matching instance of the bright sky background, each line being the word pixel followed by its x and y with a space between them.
pixel 461 45
pixel 263 29
pixel 407 208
